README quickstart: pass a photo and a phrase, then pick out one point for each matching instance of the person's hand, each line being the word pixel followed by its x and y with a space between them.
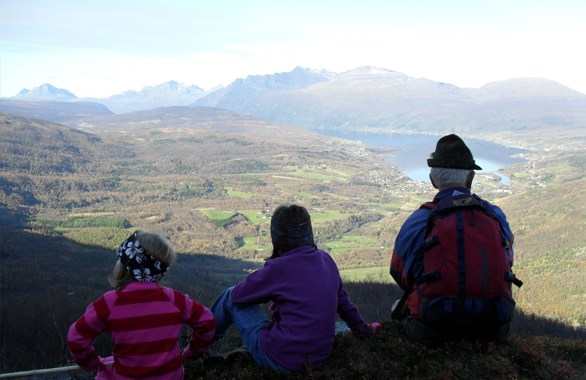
pixel 374 327
pixel 108 360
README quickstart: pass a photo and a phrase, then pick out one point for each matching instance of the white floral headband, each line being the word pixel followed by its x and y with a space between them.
pixel 137 261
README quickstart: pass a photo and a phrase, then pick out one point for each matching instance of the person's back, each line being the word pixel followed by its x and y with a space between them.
pixel 159 318
pixel 143 318
pixel 306 293
pixel 453 257
pixel 462 274
pixel 307 298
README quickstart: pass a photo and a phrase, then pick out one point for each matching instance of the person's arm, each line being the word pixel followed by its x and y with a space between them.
pixel 350 313
pixel 203 326
pixel 506 229
pixel 408 240
pixel 257 287
pixel 83 333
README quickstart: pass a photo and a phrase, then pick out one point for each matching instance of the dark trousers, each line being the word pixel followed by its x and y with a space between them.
pixel 419 331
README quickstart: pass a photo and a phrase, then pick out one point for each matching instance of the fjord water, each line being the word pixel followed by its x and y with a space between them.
pixel 409 152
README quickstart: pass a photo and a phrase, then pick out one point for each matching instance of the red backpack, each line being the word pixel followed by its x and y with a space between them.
pixel 462 272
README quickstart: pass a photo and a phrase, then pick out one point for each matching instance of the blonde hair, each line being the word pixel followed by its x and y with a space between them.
pixel 156 246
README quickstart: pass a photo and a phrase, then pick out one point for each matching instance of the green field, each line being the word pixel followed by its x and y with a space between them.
pixel 374 274
pixel 252 243
pixel 255 216
pixel 322 217
pixel 238 194
pixel 351 242
pixel 219 218
pixel 324 175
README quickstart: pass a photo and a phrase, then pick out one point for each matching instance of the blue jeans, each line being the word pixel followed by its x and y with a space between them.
pixel 249 321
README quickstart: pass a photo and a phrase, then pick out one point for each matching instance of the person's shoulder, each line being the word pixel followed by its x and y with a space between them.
pixel 168 289
pixel 496 210
pixel 299 252
pixel 323 253
pixel 421 213
pixel 176 295
pixel 111 292
pixel 326 257
pixel 487 203
pixel 303 254
pixel 109 297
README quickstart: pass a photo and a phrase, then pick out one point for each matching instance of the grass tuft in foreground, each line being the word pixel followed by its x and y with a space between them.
pixel 390 356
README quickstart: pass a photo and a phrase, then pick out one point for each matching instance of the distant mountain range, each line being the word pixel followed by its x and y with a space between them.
pixel 170 93
pixel 166 94
pixel 366 99
pixel 46 92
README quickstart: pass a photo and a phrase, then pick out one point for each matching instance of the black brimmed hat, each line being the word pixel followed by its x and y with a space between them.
pixel 451 152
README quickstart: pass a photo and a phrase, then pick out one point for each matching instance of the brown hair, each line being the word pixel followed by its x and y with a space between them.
pixel 290 228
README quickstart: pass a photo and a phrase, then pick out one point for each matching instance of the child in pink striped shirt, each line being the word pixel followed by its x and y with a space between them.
pixel 143 318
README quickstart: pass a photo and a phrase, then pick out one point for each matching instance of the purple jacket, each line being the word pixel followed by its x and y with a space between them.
pixel 307 294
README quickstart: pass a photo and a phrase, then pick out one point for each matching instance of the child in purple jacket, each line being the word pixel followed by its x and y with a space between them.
pixel 306 293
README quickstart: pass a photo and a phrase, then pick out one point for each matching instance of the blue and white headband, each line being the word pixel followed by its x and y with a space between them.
pixel 137 261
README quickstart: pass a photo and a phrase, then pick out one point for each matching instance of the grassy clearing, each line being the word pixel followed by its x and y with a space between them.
pixel 322 217
pixel 219 218
pixel 351 242
pixel 90 214
pixel 373 274
pixel 238 194
pixel 105 237
pixel 249 242
pixel 252 243
pixel 385 208
pixel 255 216
pixel 324 175
pixel 91 229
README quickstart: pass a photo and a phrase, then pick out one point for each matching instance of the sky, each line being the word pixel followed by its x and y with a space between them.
pixel 99 48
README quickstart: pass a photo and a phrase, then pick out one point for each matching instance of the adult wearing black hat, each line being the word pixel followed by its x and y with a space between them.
pixel 452 152
pixel 452 172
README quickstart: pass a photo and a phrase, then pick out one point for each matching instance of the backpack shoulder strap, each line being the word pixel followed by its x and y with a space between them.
pixel 429 205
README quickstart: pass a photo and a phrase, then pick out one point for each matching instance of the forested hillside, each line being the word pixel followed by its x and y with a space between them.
pixel 209 180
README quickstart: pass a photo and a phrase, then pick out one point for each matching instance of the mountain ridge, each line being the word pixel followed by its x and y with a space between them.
pixel 366 98
pixel 385 101
pixel 46 91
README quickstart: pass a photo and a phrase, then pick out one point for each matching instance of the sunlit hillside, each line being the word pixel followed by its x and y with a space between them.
pixel 209 180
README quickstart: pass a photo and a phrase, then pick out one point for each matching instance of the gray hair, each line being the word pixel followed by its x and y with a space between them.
pixel 447 177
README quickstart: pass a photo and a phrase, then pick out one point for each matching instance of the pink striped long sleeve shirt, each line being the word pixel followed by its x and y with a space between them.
pixel 144 321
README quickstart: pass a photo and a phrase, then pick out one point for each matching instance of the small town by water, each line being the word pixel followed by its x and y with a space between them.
pixel 408 152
